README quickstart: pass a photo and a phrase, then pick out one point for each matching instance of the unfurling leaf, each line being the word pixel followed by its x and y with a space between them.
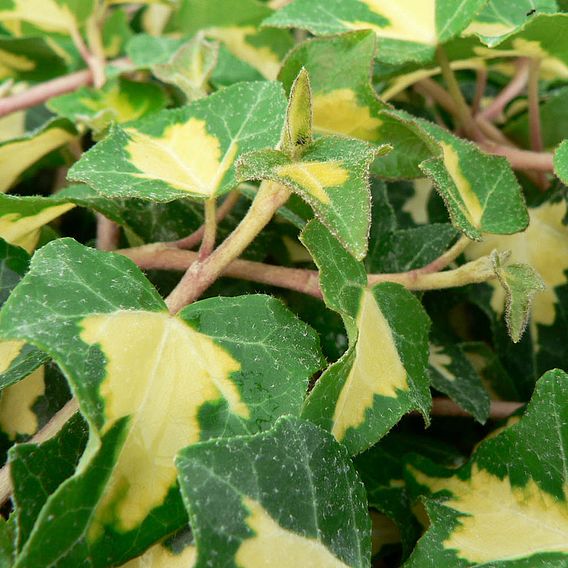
pixel 297 135
pixel 276 499
pixel 185 152
pixel 148 384
pixel 520 282
pixel 508 505
pixel 383 374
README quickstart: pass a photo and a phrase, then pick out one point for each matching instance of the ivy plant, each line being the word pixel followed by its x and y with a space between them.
pixel 283 283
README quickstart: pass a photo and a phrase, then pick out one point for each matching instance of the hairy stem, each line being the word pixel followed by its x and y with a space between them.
pixel 200 275
pixel 47 432
pixel 463 112
pixel 209 229
pixel 513 89
pixel 43 92
pixel 108 233
pixel 480 86
pixel 222 211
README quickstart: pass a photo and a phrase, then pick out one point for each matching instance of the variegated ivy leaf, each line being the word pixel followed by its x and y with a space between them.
pixel 501 17
pixel 38 470
pixel 188 151
pixel 28 59
pixel 520 283
pixel 344 101
pixel 17 360
pixel 119 100
pixel 332 177
pixel 236 24
pixel 543 246
pixel 21 218
pixel 508 506
pixel 561 162
pixel 55 16
pixel 408 30
pixel 480 191
pixel 383 374
pixel 453 374
pixel 17 155
pixel 286 507
pixel 190 67
pixel 222 366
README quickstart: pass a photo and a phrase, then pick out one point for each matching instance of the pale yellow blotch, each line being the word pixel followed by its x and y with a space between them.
pixel 9 350
pixel 17 156
pixel 377 369
pixel 160 372
pixel 185 156
pixel 469 205
pixel 501 521
pixel 440 361
pixel 544 246
pixel 235 38
pixel 16 405
pixel 339 112
pixel 24 231
pixel 409 20
pixel 276 546
pixel 10 62
pixel 315 177
pixel 489 29
pixel 117 102
pixel 160 557
pixel 12 125
pixel 47 15
pixel 417 205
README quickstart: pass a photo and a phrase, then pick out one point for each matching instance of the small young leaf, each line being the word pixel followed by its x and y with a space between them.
pixel 270 499
pixel 383 375
pixel 190 67
pixel 250 361
pixel 332 176
pixel 297 134
pixel 344 100
pixel 507 506
pixel 520 282
pixel 188 151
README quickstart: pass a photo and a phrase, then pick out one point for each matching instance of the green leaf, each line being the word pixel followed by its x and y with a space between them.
pixel 454 375
pixel 284 505
pixel 17 155
pixel 145 50
pixel 501 17
pixel 53 16
pixel 235 23
pixel 7 542
pixel 507 506
pixel 561 162
pixel 250 359
pixel 331 176
pixel 115 33
pixel 230 70
pixel 520 282
pixel 38 470
pixel 28 59
pixel 118 100
pixel 408 31
pixel 188 151
pixel 383 375
pixel 480 191
pixel 344 101
pixel 190 67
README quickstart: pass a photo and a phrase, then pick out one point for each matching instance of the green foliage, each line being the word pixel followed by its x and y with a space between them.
pixel 282 283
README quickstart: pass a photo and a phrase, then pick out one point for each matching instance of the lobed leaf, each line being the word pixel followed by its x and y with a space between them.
pixel 185 152
pixel 269 499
